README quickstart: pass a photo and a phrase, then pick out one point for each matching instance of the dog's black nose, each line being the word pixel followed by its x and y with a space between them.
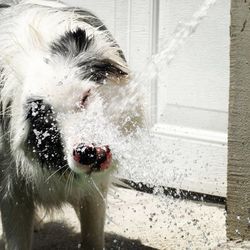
pixel 97 157
pixel 85 154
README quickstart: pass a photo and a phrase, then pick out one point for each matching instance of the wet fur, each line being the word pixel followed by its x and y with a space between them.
pixel 36 41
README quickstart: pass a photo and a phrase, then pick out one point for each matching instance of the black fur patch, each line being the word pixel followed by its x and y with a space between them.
pixel 44 139
pixel 99 70
pixel 72 43
pixel 91 19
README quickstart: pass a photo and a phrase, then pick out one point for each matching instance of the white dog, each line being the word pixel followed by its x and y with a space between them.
pixel 57 65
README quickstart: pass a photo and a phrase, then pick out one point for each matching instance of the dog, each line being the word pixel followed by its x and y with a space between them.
pixel 59 66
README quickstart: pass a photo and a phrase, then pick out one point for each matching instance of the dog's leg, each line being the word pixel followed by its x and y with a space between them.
pixel 92 218
pixel 17 219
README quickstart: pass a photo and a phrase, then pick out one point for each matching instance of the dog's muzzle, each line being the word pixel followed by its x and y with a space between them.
pixel 97 158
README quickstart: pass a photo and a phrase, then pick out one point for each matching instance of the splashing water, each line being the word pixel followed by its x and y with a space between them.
pixel 139 152
pixel 118 120
pixel 171 46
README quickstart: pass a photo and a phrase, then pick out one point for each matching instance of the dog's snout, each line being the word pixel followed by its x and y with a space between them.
pixel 98 158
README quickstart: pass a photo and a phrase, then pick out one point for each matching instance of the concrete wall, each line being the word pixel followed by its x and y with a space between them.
pixel 238 192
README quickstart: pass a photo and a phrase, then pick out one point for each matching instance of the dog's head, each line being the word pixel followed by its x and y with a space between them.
pixel 58 101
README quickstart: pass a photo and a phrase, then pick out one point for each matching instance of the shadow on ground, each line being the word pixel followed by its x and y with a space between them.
pixel 58 236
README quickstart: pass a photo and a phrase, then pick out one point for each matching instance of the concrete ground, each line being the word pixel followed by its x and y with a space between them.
pixel 142 221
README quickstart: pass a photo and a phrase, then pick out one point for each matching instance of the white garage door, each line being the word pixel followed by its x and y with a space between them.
pixel 188 102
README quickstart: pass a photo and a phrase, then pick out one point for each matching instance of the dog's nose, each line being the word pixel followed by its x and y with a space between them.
pixel 85 154
pixel 98 158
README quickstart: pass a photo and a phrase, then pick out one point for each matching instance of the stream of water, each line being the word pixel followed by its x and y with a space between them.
pixel 139 152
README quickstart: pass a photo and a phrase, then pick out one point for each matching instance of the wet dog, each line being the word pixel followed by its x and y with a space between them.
pixel 55 64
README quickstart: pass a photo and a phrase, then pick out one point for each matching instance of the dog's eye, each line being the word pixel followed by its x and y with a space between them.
pixel 100 77
pixel 101 70
pixel 104 70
